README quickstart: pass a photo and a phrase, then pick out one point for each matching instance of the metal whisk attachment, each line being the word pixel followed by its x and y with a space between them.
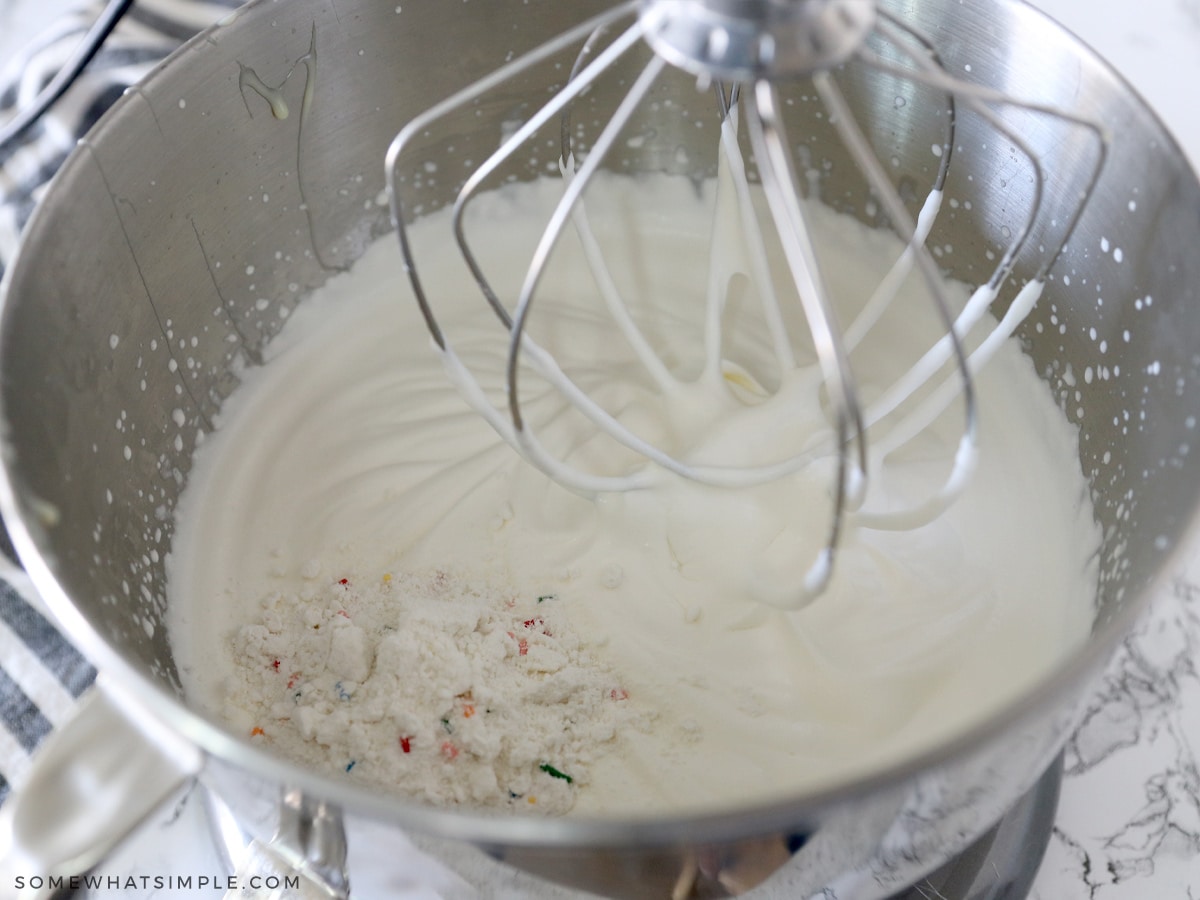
pixel 745 51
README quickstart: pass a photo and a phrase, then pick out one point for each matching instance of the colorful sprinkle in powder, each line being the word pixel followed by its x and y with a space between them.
pixel 555 773
pixel 427 667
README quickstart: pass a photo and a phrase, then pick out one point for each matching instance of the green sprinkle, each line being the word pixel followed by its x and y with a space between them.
pixel 547 597
pixel 351 765
pixel 554 773
pixel 449 728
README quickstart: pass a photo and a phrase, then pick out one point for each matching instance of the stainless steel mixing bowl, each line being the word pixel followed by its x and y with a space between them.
pixel 197 214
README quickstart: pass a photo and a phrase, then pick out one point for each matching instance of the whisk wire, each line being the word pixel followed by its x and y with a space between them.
pixel 570 208
pixel 735 168
pixel 977 96
pixel 419 123
pixel 885 292
pixel 509 147
pixel 856 143
pixel 541 256
pixel 773 152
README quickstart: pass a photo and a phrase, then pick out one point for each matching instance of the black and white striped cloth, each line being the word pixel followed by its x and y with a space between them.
pixel 41 674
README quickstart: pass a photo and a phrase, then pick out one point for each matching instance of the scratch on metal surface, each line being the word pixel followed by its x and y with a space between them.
pixel 136 90
pixel 250 347
pixel 250 81
pixel 929 892
pixel 179 370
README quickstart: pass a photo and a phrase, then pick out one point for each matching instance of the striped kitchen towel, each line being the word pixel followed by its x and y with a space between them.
pixel 41 674
pixel 145 36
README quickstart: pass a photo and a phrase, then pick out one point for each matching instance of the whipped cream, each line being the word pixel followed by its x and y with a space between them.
pixel 352 450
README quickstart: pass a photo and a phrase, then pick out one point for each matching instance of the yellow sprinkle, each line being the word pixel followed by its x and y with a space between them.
pixel 387 576
pixel 533 799
pixel 740 380
pixel 739 377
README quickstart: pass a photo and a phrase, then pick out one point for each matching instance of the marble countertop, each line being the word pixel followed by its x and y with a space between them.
pixel 1128 826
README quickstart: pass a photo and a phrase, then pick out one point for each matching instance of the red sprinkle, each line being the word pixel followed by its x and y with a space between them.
pixel 449 750
pixel 619 694
pixel 406 744
pixel 344 582
pixel 292 679
pixel 343 613
pixel 275 665
pixel 522 644
pixel 538 622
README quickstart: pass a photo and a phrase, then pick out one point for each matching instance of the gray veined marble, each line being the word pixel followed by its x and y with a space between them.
pixel 1129 822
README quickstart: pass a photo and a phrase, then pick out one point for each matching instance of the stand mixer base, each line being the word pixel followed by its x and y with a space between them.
pixel 1001 865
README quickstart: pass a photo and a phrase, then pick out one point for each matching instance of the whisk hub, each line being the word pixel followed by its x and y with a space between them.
pixel 741 40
